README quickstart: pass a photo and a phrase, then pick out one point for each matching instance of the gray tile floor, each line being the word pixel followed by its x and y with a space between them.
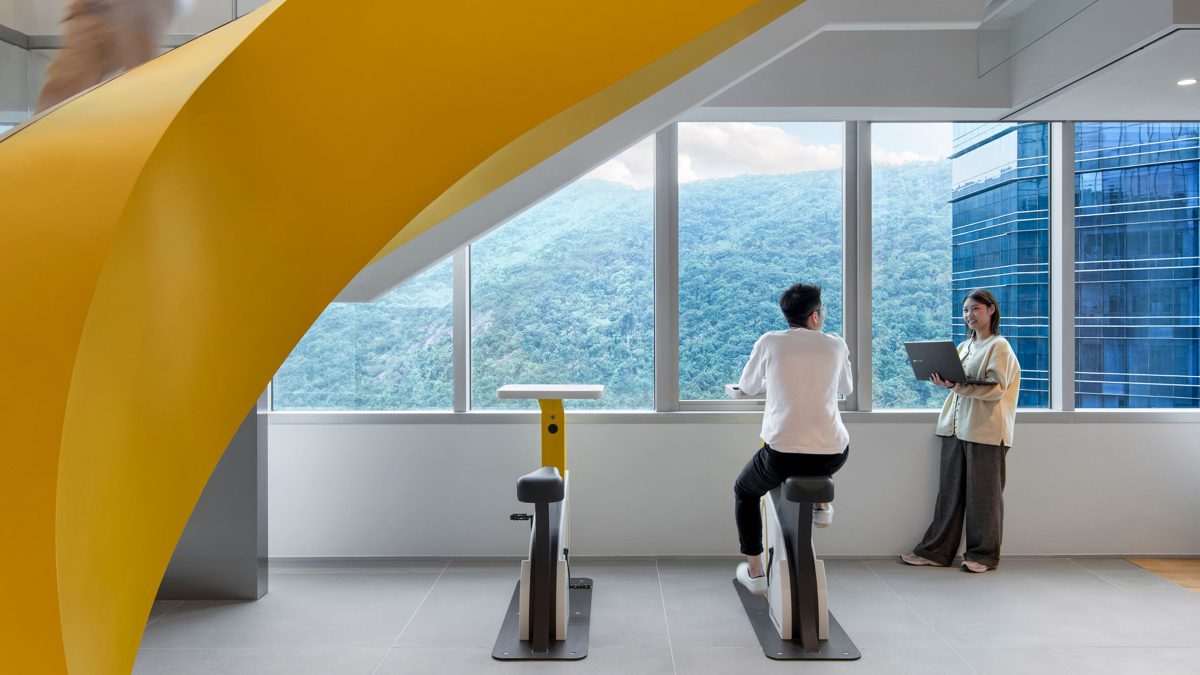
pixel 1046 615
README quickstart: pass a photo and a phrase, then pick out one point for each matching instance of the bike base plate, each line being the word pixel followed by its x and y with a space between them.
pixel 839 646
pixel 510 646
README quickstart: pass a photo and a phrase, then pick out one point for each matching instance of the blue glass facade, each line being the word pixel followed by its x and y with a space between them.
pixel 1000 239
pixel 1137 294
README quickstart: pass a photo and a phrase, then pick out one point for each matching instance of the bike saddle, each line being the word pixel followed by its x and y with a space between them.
pixel 813 489
pixel 541 486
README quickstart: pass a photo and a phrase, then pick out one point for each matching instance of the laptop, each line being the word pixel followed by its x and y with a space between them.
pixel 938 356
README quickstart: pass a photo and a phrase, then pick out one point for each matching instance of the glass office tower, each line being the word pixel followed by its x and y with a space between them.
pixel 1000 239
pixel 1137 204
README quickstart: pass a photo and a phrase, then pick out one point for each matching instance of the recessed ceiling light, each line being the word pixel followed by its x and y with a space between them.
pixel 1189 81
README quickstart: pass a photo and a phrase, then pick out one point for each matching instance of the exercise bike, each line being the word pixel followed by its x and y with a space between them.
pixel 549 615
pixel 793 621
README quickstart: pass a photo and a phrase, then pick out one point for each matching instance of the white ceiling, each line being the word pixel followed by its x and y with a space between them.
pixel 1140 86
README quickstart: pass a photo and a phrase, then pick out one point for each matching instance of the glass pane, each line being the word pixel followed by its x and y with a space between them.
pixel 14 86
pixel 1001 239
pixel 392 354
pixel 1137 266
pixel 1019 24
pixel 760 209
pixel 911 224
pixel 564 293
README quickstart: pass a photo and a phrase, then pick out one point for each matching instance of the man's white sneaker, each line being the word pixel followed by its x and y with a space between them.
pixel 917 561
pixel 972 566
pixel 756 585
pixel 823 517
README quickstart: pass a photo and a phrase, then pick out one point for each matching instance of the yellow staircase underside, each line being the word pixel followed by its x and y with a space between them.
pixel 168 237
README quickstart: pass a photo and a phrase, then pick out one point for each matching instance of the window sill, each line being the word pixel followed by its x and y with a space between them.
pixel 1126 416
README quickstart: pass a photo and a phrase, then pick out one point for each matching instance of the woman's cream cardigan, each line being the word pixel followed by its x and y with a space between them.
pixel 984 413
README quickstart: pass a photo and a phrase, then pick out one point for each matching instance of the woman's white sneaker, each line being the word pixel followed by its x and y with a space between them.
pixel 972 566
pixel 917 561
pixel 756 585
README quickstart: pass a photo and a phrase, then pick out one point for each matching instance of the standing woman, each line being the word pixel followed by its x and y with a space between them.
pixel 976 426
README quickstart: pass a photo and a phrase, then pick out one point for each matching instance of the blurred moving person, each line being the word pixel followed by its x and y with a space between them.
pixel 102 38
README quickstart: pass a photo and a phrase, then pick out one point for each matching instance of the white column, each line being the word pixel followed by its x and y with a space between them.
pixel 462 329
pixel 666 269
pixel 856 258
pixel 1062 266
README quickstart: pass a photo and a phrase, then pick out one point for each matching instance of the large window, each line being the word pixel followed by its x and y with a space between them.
pixel 392 354
pixel 1000 239
pixel 911 223
pixel 1137 270
pixel 564 293
pixel 760 209
pixel 954 208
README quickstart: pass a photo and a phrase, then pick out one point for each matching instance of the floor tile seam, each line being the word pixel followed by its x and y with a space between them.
pixel 920 618
pixel 1119 586
pixel 271 648
pixel 350 572
pixel 197 649
pixel 666 620
pixel 1085 640
pixel 178 603
pixel 1157 575
pixel 353 573
pixel 1181 593
pixel 410 619
pixel 363 562
pixel 1089 648
pixel 320 644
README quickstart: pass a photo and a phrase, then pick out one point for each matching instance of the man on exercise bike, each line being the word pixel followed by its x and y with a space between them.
pixel 803 372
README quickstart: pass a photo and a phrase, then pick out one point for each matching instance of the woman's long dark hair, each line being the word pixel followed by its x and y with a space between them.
pixel 984 296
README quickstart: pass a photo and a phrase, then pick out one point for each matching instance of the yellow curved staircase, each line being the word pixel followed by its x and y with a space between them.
pixel 167 238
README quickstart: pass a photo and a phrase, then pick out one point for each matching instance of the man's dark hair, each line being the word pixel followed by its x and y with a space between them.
pixel 798 302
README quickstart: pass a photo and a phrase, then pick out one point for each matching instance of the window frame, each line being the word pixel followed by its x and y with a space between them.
pixel 855 226
pixel 857 328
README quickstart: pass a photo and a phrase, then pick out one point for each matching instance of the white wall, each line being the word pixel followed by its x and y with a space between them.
pixel 666 488
pixel 1095 37
pixel 875 74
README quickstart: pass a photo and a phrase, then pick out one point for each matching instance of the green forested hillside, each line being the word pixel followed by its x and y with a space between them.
pixel 741 242
pixel 391 354
pixel 564 293
pixel 910 231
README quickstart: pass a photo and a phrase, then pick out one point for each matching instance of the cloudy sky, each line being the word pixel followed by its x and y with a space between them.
pixel 724 149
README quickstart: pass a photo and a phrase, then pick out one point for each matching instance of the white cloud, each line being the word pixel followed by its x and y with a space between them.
pixel 724 149
pixel 720 150
pixel 900 142
pixel 634 167
pixel 881 156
